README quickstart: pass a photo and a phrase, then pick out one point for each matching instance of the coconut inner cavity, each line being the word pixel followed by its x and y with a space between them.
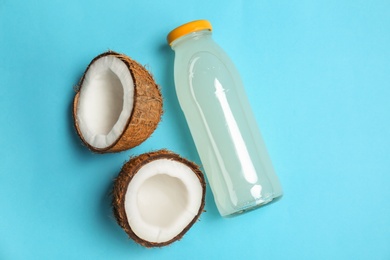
pixel 161 199
pixel 105 102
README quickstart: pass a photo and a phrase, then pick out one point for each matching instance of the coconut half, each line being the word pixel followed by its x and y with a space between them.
pixel 117 105
pixel 157 197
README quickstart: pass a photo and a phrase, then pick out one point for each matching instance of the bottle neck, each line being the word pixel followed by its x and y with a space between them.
pixel 190 38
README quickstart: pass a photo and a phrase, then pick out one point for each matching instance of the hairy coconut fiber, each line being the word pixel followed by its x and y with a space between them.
pixel 146 112
pixel 125 177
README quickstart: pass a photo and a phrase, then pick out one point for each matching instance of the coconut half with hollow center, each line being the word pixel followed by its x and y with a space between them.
pixel 117 105
pixel 157 197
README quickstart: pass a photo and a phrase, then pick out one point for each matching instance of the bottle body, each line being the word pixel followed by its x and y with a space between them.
pixel 222 125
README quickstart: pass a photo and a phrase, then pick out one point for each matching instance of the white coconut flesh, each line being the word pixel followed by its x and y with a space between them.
pixel 161 200
pixel 105 102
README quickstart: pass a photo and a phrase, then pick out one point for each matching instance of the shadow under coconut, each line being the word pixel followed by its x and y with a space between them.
pixel 171 105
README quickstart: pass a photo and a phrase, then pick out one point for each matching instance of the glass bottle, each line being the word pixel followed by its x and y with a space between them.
pixel 222 124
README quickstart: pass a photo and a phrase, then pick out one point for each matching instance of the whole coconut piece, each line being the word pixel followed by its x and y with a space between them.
pixel 117 104
pixel 157 197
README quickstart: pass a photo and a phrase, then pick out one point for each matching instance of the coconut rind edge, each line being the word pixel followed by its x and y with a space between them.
pixel 147 107
pixel 121 183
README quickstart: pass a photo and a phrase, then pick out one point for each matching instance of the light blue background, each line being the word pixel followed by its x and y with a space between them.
pixel 317 74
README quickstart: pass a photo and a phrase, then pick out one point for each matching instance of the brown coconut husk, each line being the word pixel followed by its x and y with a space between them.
pixel 147 107
pixel 128 171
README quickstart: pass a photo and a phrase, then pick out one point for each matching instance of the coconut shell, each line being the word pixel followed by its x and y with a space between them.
pixel 147 107
pixel 128 171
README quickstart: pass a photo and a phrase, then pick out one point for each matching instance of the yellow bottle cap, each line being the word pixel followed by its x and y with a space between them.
pixel 187 28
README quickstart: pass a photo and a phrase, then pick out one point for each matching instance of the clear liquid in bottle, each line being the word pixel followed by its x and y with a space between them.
pixel 230 146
